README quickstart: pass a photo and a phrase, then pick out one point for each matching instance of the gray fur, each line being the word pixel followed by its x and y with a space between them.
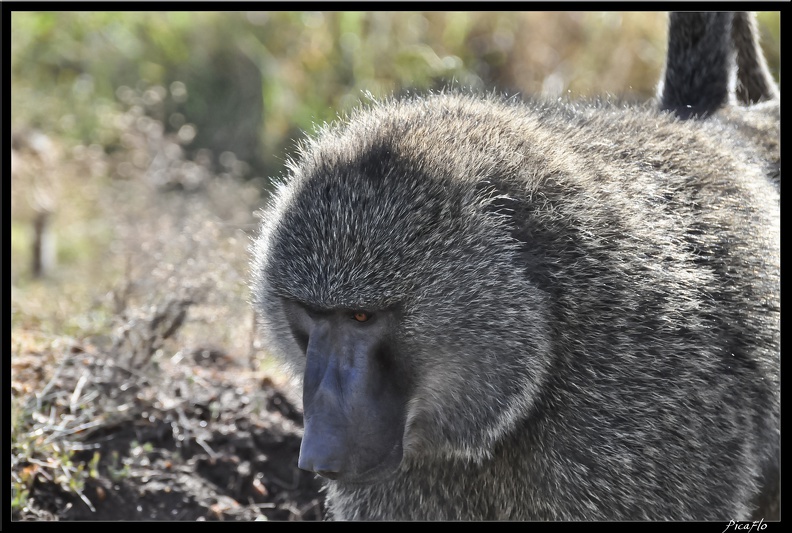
pixel 699 78
pixel 589 302
pixel 754 81
pixel 713 60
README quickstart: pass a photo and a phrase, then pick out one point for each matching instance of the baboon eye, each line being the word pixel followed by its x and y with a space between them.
pixel 361 316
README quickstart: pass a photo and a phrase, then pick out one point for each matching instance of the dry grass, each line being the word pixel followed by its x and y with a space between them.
pixel 138 345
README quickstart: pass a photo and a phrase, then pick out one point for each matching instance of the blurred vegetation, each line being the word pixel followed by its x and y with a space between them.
pixel 251 81
pixel 142 144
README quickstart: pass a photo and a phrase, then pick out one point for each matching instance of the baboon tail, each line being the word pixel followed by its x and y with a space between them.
pixel 705 50
pixel 698 74
pixel 754 81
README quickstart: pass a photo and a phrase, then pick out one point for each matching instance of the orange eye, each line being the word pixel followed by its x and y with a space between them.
pixel 361 316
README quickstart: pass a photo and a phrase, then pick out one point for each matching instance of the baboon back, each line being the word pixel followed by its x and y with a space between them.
pixel 525 310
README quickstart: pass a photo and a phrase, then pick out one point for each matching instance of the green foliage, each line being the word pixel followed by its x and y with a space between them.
pixel 118 469
pixel 39 451
pixel 266 76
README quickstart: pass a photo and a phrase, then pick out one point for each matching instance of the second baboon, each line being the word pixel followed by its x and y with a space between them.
pixel 525 310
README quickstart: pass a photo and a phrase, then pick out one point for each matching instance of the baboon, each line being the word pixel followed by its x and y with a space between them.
pixel 528 310
pixel 754 81
pixel 714 61
pixel 701 74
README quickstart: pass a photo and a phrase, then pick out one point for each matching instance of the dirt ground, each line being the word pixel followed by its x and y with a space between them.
pixel 212 441
pixel 136 391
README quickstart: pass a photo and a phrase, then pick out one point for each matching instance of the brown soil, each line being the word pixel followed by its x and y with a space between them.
pixel 226 451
